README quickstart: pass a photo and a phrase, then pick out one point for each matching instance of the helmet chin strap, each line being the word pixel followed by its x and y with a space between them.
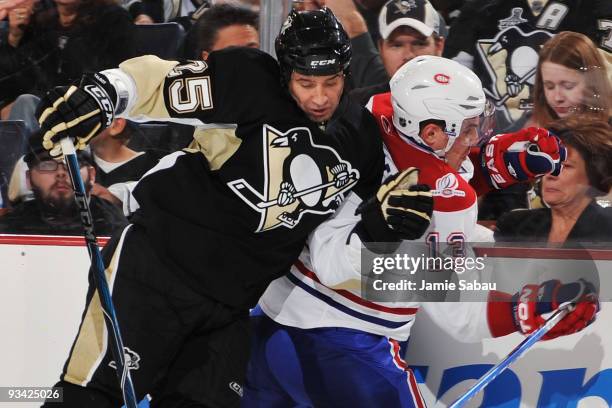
pixel 449 144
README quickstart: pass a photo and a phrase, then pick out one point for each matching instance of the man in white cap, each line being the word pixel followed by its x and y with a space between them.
pixel 408 28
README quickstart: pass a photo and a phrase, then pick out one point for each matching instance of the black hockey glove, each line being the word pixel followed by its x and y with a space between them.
pixel 400 210
pixel 76 112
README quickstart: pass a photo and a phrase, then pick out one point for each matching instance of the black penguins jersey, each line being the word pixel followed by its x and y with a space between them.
pixel 232 230
pixel 502 38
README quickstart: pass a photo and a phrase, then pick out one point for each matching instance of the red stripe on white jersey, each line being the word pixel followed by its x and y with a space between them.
pixel 417 398
pixel 404 311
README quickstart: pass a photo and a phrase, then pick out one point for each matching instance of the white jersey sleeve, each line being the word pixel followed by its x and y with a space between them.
pixel 335 250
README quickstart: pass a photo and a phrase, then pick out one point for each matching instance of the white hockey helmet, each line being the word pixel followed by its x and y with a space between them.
pixel 435 88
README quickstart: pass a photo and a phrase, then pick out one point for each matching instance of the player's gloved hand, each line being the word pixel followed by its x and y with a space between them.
pixel 341 175
pixel 76 112
pixel 285 195
pixel 401 209
pixel 527 307
pixel 521 156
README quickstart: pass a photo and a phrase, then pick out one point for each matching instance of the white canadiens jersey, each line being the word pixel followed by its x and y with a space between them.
pixel 322 288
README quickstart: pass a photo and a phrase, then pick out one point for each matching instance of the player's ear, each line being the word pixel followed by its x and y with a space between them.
pixel 205 55
pixel 117 126
pixel 430 133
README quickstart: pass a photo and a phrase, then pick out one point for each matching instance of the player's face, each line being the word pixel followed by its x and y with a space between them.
pixel 468 137
pixel 563 88
pixel 317 96
pixel 570 186
pixel 404 44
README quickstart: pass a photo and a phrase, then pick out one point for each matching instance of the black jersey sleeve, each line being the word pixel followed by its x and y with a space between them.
pixel 236 85
pixel 356 128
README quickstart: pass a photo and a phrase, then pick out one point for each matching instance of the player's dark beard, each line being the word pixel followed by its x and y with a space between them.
pixel 58 208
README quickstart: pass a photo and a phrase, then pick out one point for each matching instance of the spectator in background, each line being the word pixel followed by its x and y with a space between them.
pixel 53 210
pixel 407 29
pixel 117 166
pixel 222 26
pixel 407 32
pixel 53 45
pixel 500 41
pixel 571 77
pixel 573 214
pixel 370 9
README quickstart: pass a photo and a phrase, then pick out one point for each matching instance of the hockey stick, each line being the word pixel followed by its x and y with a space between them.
pixel 517 352
pixel 254 199
pixel 110 317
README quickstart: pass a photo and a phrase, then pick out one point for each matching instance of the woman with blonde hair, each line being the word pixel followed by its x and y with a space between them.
pixel 571 77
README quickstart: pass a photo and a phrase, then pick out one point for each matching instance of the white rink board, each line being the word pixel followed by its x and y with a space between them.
pixel 42 295
pixel 573 372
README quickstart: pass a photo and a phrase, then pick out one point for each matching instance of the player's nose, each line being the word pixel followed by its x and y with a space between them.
pixel 320 97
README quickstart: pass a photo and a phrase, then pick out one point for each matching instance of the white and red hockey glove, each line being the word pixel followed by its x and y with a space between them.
pixel 525 310
pixel 510 158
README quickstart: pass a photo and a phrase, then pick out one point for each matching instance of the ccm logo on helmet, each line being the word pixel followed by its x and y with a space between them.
pixel 442 79
pixel 321 63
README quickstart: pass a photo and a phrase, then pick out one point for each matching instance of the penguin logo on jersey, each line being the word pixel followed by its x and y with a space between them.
pixel 300 177
pixel 511 59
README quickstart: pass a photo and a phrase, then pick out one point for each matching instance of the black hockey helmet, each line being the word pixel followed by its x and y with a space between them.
pixel 312 43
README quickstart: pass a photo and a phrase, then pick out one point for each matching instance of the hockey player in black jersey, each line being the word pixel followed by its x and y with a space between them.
pixel 204 244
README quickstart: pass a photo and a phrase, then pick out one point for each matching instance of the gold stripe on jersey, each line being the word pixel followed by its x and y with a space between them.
pixel 218 145
pixel 91 342
pixel 149 73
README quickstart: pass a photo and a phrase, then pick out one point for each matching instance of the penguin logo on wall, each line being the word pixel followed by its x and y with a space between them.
pixel 312 180
pixel 511 59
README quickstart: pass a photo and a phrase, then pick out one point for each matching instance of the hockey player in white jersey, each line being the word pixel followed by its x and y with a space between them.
pixel 318 342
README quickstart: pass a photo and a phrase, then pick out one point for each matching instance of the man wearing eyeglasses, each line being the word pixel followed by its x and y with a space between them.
pixel 53 210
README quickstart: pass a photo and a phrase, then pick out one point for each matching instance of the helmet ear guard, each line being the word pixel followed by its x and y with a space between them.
pixel 312 43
